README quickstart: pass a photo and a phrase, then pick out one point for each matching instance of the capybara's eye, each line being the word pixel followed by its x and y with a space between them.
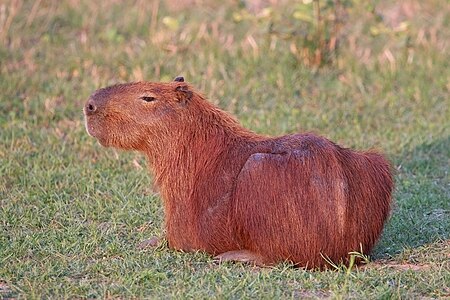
pixel 148 98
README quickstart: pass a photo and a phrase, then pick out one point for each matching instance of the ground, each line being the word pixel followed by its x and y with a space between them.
pixel 73 214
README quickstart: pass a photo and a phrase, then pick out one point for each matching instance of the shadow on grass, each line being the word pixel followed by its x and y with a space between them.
pixel 421 212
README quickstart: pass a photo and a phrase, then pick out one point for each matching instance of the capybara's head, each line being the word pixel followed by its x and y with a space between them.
pixel 128 115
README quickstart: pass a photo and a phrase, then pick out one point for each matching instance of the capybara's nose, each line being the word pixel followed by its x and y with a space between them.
pixel 90 107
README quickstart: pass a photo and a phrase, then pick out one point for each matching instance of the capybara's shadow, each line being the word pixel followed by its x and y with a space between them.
pixel 421 211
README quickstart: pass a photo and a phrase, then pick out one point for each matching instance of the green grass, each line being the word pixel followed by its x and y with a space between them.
pixel 72 212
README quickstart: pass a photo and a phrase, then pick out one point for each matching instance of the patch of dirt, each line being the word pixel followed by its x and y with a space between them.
pixel 5 291
pixel 303 294
pixel 147 244
pixel 380 264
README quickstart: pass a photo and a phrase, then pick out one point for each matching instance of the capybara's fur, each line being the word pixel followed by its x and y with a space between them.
pixel 240 195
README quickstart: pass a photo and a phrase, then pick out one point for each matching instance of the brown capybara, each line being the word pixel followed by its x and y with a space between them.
pixel 239 195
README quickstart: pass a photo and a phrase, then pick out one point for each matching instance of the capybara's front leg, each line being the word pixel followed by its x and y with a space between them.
pixel 240 256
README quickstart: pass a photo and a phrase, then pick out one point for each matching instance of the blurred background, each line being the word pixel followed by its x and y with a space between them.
pixel 348 66
pixel 366 74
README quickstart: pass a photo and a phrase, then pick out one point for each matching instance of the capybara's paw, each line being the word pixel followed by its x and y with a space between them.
pixel 244 256
pixel 149 243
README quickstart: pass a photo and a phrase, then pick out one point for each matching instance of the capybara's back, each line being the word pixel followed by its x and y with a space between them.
pixel 310 200
pixel 239 195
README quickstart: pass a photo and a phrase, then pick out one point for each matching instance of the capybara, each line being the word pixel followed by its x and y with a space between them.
pixel 239 195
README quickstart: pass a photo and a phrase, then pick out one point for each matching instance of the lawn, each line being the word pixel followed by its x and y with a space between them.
pixel 73 213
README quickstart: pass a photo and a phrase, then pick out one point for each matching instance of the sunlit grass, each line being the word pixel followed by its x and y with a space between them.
pixel 72 212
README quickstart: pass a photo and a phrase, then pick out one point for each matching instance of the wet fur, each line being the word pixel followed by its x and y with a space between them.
pixel 297 197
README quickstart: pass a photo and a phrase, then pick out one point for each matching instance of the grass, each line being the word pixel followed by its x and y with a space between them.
pixel 72 213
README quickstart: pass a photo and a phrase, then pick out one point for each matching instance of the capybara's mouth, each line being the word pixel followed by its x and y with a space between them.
pixel 93 128
pixel 88 126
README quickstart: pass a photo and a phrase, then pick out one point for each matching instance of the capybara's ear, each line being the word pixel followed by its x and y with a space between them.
pixel 179 79
pixel 183 94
